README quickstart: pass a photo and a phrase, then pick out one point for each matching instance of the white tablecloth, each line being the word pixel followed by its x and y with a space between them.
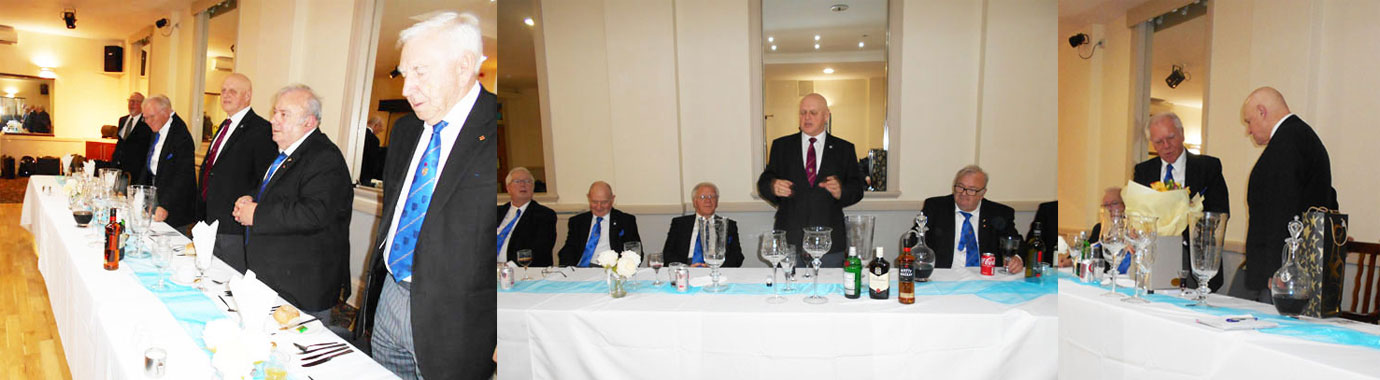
pixel 106 318
pixel 1105 338
pixel 726 336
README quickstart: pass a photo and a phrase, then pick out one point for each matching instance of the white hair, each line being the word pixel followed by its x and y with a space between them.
pixel 710 185
pixel 161 101
pixel 313 101
pixel 1156 118
pixel 971 169
pixel 460 29
pixel 509 178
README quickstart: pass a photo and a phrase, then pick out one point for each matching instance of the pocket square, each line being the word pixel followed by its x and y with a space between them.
pixel 620 233
pixel 169 157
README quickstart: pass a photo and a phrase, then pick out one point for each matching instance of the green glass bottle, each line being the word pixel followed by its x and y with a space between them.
pixel 852 274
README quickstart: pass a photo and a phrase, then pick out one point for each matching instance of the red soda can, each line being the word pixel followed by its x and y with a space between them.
pixel 989 261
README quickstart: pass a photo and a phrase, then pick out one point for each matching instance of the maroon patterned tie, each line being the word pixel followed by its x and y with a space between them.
pixel 810 169
pixel 211 156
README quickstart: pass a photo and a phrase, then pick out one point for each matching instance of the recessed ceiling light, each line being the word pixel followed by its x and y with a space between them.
pixel 816 37
pixel 816 46
pixel 529 21
pixel 773 47
pixel 771 39
pixel 828 70
pixel 861 44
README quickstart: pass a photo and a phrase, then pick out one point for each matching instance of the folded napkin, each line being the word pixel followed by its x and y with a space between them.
pixel 66 164
pixel 1063 246
pixel 204 238
pixel 708 280
pixel 90 166
pixel 236 350
pixel 254 301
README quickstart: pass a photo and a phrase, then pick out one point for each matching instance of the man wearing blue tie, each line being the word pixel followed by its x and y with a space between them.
pixel 964 225
pixel 602 228
pixel 682 240
pixel 524 223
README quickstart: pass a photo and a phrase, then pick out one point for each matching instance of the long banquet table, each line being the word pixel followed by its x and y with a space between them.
pixel 1102 337
pixel 962 325
pixel 106 318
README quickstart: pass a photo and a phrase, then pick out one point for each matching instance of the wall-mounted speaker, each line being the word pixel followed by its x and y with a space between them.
pixel 114 59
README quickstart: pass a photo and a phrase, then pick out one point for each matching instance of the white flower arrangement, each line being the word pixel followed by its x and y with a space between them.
pixel 624 266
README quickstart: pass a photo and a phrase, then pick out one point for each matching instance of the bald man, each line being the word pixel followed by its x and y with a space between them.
pixel 1291 175
pixel 810 177
pixel 132 139
pixel 600 229
pixel 239 154
pixel 1201 173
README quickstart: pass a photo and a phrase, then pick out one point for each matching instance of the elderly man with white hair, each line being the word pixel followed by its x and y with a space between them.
pixel 524 223
pixel 682 240
pixel 432 267
pixel 169 164
pixel 965 224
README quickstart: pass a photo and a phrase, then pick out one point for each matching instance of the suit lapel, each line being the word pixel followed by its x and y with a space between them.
pixel 463 153
pixel 292 160
pixel 946 220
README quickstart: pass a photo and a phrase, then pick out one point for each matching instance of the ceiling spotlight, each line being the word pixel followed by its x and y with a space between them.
pixel 773 47
pixel 816 46
pixel 816 37
pixel 162 22
pixel 1078 39
pixel 529 21
pixel 69 16
pixel 394 74
pixel 771 39
pixel 828 70
pixel 861 44
pixel 46 73
pixel 1176 76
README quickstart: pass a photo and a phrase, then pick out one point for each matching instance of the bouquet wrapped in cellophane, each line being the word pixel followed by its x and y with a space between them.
pixel 1170 202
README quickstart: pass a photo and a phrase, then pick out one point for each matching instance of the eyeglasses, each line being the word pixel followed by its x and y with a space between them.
pixel 706 197
pixel 966 191
pixel 1113 204
pixel 523 181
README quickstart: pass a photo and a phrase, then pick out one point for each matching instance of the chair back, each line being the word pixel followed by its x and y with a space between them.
pixel 1365 297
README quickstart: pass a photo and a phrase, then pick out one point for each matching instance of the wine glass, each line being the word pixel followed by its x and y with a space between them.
pixel 143 201
pixel 656 260
pixel 1142 231
pixel 788 266
pixel 816 243
pixel 714 240
pixel 162 257
pixel 770 248
pixel 524 258
pixel 203 262
pixel 635 247
pixel 1113 241
pixel 1206 232
pixel 81 212
pixel 1077 248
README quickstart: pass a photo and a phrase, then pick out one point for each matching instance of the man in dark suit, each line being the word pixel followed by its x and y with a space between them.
pixel 371 160
pixel 239 154
pixel 1202 175
pixel 682 240
pixel 963 225
pixel 432 270
pixel 525 224
pixel 810 177
pixel 602 228
pixel 131 144
pixel 169 165
pixel 1291 175
pixel 298 217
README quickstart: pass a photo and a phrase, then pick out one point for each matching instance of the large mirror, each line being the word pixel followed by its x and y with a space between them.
pixel 519 95
pixel 837 48
pixel 220 63
pixel 26 104
pixel 1178 68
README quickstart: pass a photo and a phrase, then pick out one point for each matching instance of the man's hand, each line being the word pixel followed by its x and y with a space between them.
pixel 1065 261
pixel 244 210
pixel 781 187
pixel 1014 264
pixel 833 185
pixel 160 214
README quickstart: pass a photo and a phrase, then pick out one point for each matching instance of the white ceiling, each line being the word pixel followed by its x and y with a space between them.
pixel 398 15
pixel 96 19
pixel 791 25
pixel 1184 44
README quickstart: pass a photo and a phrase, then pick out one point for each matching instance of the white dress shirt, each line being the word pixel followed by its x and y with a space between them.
pixel 288 152
pixel 228 131
pixel 819 149
pixel 695 236
pixel 961 256
pixel 1179 165
pixel 603 244
pixel 132 121
pixel 455 120
pixel 158 147
pixel 511 216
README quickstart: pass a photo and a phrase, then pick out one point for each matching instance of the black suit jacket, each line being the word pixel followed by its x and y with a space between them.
pixel 535 230
pixel 300 241
pixel 131 150
pixel 622 229
pixel 371 162
pixel 811 205
pixel 454 299
pixel 1291 175
pixel 1204 177
pixel 244 158
pixel 677 248
pixel 995 221
pixel 1048 217
pixel 176 178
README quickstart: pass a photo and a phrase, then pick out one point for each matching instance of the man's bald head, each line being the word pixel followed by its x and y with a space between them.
pixel 600 198
pixel 814 114
pixel 1264 108
pixel 235 93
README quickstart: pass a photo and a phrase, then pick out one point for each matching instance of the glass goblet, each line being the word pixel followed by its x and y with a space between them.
pixel 817 242
pixel 524 258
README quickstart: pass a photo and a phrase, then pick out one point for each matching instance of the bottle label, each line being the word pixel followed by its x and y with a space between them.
pixel 850 281
pixel 907 274
pixel 879 283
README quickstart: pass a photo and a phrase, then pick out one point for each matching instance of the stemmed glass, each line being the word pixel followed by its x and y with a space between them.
pixel 203 262
pixel 788 266
pixel 1142 231
pixel 143 200
pixel 770 247
pixel 1113 241
pixel 714 239
pixel 162 257
pixel 656 260
pixel 524 258
pixel 817 242
pixel 635 247
pixel 1205 237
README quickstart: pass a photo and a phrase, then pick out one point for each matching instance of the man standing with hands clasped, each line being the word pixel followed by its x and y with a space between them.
pixel 810 177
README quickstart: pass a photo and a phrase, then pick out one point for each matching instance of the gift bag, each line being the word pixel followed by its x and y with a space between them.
pixel 1323 255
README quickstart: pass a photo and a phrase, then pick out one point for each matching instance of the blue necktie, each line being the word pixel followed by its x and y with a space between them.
pixel 698 258
pixel 148 161
pixel 271 168
pixel 503 235
pixel 968 242
pixel 1169 174
pixel 593 242
pixel 1125 263
pixel 414 210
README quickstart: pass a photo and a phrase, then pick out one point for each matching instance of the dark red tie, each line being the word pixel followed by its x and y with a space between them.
pixel 211 156
pixel 810 170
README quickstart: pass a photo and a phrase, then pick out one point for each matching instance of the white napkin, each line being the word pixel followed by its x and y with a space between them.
pixel 708 280
pixel 236 349
pixel 204 238
pixel 254 300
pixel 66 164
pixel 1063 246
pixel 90 166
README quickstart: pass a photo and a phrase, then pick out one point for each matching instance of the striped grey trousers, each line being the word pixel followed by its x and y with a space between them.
pixel 392 340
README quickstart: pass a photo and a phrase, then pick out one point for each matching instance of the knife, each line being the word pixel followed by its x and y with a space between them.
pixel 327 358
pixel 327 352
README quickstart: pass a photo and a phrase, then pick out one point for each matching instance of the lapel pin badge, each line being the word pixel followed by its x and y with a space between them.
pixel 481 137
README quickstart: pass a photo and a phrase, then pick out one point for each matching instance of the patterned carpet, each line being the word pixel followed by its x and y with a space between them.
pixel 12 190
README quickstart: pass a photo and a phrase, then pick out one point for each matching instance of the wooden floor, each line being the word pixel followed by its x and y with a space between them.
pixel 29 343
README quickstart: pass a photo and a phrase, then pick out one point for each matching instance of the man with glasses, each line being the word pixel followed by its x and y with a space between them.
pixel 1202 175
pixel 964 225
pixel 682 241
pixel 523 223
pixel 602 228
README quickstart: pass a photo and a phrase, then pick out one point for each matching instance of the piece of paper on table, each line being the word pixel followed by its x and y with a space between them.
pixel 707 280
pixel 204 238
pixel 253 300
pixel 1236 322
